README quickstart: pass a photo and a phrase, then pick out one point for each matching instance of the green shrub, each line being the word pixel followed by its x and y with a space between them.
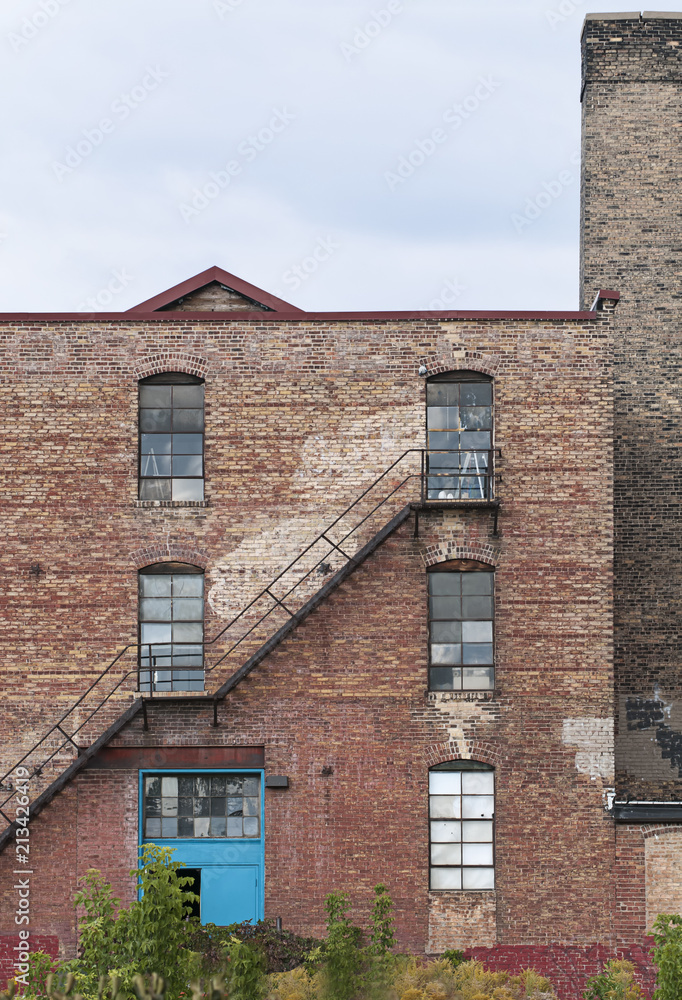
pixel 282 950
pixel 151 934
pixel 615 982
pixel 341 950
pixel 667 932
pixel 453 956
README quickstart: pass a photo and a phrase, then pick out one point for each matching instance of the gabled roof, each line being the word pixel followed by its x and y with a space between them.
pixel 250 293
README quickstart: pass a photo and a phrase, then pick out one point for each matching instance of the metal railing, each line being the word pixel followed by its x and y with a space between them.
pixel 439 482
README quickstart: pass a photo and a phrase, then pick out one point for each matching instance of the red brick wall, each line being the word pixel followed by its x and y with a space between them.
pixel 299 418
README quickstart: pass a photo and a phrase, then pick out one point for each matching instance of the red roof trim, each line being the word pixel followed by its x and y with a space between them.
pixel 205 278
pixel 239 316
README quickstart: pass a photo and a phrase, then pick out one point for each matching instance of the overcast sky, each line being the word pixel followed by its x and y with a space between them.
pixel 343 155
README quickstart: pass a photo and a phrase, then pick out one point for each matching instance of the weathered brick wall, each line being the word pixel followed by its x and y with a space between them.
pixel 631 241
pixel 663 849
pixel 346 692
pixel 300 417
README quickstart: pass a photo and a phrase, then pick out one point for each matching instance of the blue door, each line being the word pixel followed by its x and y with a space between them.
pixel 229 894
pixel 213 822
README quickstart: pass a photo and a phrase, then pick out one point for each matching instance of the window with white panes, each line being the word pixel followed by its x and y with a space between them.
pixel 461 619
pixel 461 823
pixel 171 424
pixel 201 805
pixel 171 636
pixel 459 429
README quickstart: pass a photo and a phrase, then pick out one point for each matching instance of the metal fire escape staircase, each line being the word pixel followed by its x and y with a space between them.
pixel 98 714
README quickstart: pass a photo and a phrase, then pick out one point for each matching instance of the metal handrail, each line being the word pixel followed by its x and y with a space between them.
pixel 422 475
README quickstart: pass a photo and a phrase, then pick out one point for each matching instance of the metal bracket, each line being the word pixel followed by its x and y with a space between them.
pixel 495 531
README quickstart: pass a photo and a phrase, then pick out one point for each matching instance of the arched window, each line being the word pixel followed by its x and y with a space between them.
pixel 461 619
pixel 459 426
pixel 171 621
pixel 171 427
pixel 461 817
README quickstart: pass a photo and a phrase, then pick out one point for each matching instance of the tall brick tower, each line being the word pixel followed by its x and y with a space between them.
pixel 632 241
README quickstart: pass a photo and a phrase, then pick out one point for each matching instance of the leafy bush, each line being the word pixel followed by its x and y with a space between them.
pixel 667 932
pixel 341 949
pixel 615 982
pixel 151 934
pixel 282 950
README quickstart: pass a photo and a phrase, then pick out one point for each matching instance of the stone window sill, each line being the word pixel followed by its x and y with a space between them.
pixel 151 504
pixel 438 697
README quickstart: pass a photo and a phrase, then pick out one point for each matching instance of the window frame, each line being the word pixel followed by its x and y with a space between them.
pixel 172 379
pixel 169 568
pixel 462 766
pixel 461 376
pixel 462 566
pixel 194 771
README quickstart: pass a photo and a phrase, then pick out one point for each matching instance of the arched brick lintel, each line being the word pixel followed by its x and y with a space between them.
pixel 171 361
pixel 168 552
pixel 454 549
pixel 438 753
pixel 436 364
pixel 657 830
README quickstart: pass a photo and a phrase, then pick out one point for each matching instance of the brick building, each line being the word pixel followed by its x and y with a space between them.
pixel 326 599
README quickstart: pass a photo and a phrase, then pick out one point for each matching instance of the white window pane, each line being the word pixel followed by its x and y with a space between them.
pixel 187 489
pixel 445 782
pixel 201 825
pixel 479 679
pixel 155 586
pixel 445 806
pixel 188 585
pixel 446 854
pixel 155 609
pixel 477 854
pixel 188 632
pixel 446 878
pixel 155 634
pixel 153 828
pixel 445 832
pixel 188 609
pixel 477 631
pixel 478 782
pixel 169 786
pixel 477 830
pixel 478 878
pixel 478 806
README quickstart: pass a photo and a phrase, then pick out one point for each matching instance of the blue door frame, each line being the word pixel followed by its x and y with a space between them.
pixel 232 869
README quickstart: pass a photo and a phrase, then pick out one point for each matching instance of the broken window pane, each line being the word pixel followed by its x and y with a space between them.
pixel 459 422
pixel 181 806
